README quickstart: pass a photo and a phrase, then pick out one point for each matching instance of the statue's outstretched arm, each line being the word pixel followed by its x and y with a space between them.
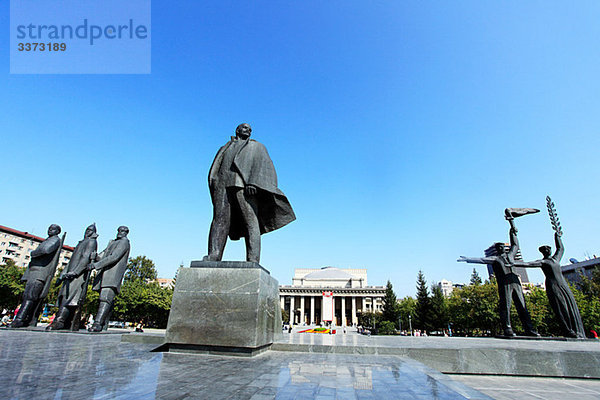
pixel 476 260
pixel 530 264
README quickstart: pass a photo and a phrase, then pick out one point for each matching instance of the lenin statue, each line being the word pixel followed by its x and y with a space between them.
pixel 245 197
pixel 38 275
pixel 112 265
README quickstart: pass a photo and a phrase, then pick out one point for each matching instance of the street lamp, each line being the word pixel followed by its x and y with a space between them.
pixel 410 324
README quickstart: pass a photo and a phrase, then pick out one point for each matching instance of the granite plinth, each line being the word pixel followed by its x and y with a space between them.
pixel 223 306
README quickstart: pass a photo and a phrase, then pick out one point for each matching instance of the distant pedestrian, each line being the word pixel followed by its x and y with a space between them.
pixel 5 320
pixel 594 334
pixel 139 327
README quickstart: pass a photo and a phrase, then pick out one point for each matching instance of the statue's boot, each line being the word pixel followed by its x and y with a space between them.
pixel 532 332
pixel 103 311
pixel 24 314
pixel 509 332
pixel 60 320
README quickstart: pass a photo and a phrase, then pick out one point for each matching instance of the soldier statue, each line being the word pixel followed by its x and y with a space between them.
pixel 74 279
pixel 38 275
pixel 111 264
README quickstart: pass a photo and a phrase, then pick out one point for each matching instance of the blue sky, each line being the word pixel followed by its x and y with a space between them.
pixel 399 130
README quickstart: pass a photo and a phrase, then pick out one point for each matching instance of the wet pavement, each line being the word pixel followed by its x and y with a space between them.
pixel 40 365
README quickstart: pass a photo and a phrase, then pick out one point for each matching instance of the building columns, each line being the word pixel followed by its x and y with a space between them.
pixel 343 311
pixel 282 300
pixel 302 318
pixel 292 310
pixel 354 319
pixel 312 310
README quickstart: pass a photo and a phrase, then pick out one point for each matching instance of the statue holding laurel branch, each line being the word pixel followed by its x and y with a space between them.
pixel 557 289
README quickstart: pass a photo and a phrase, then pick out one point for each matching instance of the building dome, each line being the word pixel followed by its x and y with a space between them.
pixel 329 273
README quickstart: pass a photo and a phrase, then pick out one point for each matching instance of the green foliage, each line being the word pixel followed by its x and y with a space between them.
pixel 140 269
pixel 475 278
pixel 143 301
pixel 589 307
pixel 406 307
pixel 285 316
pixel 390 305
pixel 386 328
pixel 367 319
pixel 439 309
pixel 423 313
pixel 11 287
pixel 473 310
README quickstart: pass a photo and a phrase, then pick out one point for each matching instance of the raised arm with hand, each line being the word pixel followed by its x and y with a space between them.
pixel 514 242
pixel 560 249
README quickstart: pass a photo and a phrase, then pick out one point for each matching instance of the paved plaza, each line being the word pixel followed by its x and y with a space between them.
pixel 40 365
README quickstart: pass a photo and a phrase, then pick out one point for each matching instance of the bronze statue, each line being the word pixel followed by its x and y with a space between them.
pixel 245 197
pixel 111 264
pixel 509 284
pixel 557 289
pixel 74 280
pixel 38 275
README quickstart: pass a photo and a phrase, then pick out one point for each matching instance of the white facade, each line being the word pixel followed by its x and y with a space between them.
pixel 344 290
pixel 446 287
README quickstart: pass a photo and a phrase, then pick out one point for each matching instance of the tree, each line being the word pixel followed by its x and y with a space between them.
pixel 406 308
pixel 369 319
pixel 473 310
pixel 475 278
pixel 390 305
pixel 423 308
pixel 141 269
pixel 11 286
pixel 439 309
pixel 144 301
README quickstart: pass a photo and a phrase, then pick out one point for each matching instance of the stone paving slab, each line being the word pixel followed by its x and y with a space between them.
pixel 46 366
pixel 575 359
pixel 525 388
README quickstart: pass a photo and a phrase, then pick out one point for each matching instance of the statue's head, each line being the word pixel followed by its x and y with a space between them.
pixel 90 230
pixel 243 131
pixel 53 230
pixel 122 232
pixel 500 247
pixel 545 250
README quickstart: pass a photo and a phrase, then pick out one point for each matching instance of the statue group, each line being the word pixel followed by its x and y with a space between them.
pixel 109 264
pixel 559 294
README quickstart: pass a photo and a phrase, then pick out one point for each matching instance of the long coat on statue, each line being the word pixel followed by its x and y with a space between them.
pixel 112 265
pixel 40 267
pixel 71 291
pixel 255 167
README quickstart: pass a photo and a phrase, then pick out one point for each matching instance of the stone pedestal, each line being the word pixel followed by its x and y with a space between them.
pixel 219 307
